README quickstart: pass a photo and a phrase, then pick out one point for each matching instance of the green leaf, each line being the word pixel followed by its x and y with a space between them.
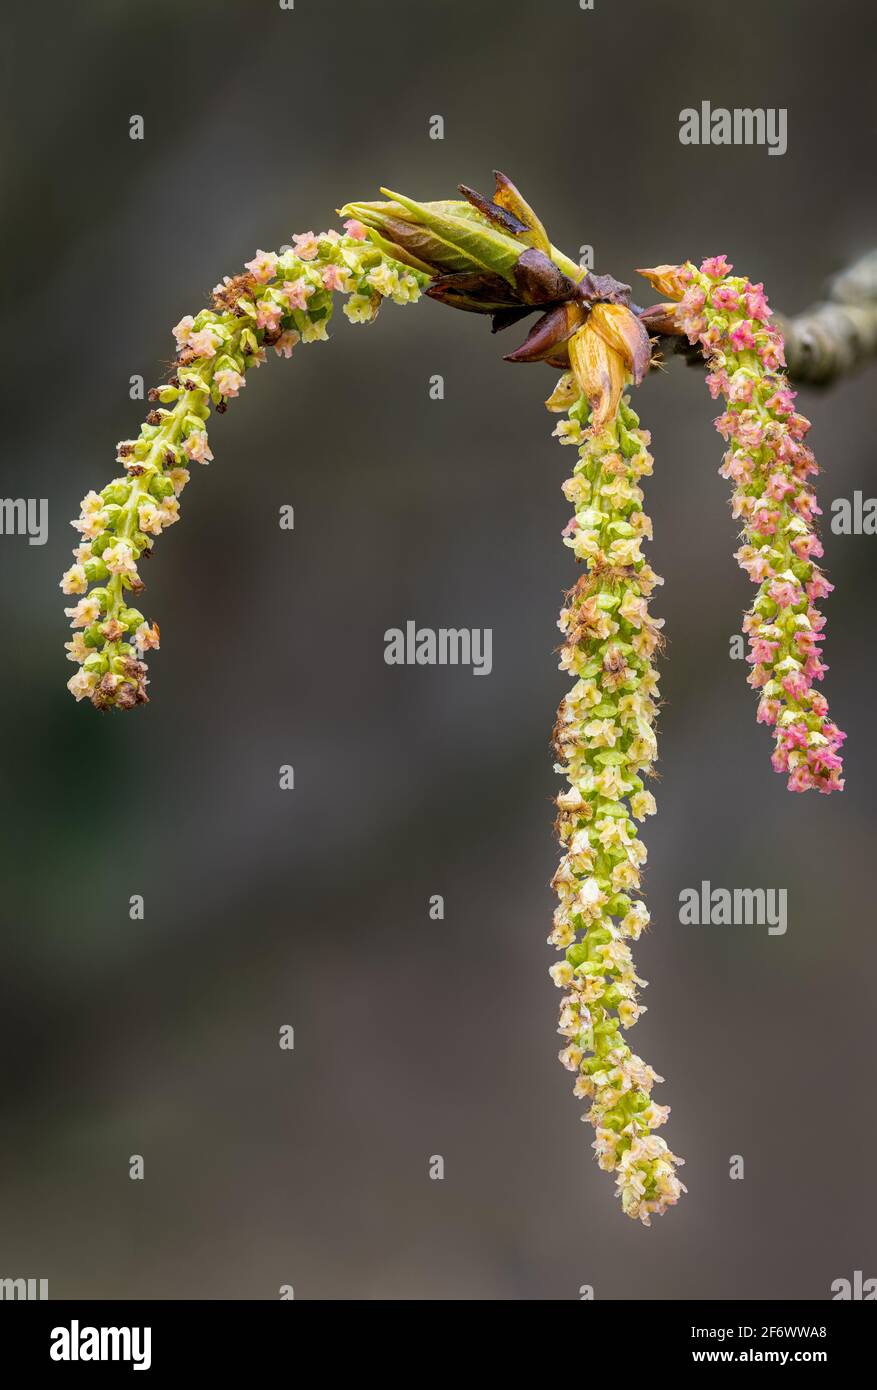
pixel 480 245
pixel 399 253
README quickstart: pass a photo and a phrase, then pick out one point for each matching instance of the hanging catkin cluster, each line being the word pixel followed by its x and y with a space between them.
pixel 493 256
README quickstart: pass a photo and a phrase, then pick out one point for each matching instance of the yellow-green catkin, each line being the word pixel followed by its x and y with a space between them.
pixel 605 742
pixel 282 299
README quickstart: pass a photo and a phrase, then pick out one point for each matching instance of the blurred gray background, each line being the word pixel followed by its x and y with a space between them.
pixel 263 907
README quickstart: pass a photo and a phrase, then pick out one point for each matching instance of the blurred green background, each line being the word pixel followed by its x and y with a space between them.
pixel 310 908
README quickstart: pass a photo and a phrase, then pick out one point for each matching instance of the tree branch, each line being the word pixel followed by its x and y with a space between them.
pixel 838 335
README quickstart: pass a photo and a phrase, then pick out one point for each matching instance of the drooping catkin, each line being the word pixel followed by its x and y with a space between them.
pixel 605 741
pixel 281 299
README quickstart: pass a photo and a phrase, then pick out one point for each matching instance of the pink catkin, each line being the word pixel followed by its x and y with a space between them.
pixel 770 466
